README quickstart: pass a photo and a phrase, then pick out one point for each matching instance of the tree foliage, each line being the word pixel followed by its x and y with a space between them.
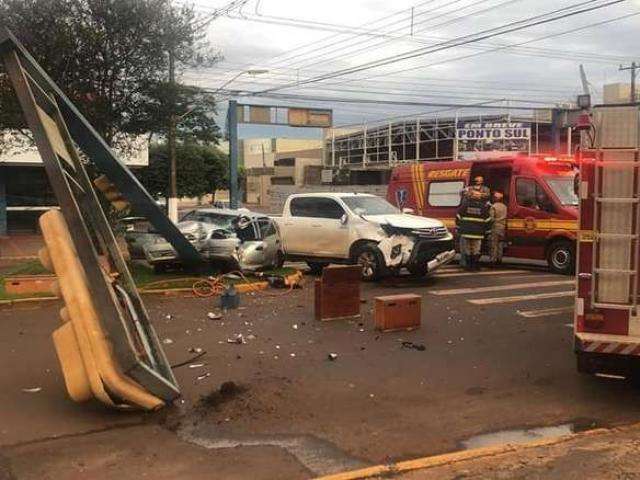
pixel 201 170
pixel 111 57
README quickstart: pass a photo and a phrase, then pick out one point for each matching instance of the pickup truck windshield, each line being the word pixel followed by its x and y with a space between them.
pixel 370 205
pixel 563 188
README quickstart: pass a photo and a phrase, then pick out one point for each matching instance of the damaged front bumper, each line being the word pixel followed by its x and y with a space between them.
pixel 424 254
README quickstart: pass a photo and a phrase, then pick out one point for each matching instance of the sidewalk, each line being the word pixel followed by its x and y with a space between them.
pixel 602 454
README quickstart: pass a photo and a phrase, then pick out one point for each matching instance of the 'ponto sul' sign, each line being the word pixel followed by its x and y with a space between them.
pixel 492 136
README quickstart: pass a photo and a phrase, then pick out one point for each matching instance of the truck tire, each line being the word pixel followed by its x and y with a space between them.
pixel 418 270
pixel 372 261
pixel 316 267
pixel 561 257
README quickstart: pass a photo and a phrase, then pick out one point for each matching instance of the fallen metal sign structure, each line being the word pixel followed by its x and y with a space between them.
pixel 107 346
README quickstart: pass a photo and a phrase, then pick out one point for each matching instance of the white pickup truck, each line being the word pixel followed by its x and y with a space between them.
pixel 323 228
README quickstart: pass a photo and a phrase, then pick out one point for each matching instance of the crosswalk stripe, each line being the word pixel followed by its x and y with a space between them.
pixel 487 272
pixel 496 288
pixel 521 298
pixel 544 312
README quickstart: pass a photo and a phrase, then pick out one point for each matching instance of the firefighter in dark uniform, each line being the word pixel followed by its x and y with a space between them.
pixel 473 224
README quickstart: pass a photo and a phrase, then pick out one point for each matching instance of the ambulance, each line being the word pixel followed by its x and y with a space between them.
pixel 538 191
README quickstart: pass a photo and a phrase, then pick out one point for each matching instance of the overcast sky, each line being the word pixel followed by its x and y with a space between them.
pixel 300 40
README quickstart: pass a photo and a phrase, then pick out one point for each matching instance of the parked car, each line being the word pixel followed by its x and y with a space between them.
pixel 323 228
pixel 138 232
pixel 242 240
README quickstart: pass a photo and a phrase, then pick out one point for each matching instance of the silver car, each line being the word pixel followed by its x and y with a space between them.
pixel 239 239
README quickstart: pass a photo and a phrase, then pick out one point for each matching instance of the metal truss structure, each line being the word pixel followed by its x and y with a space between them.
pixel 420 139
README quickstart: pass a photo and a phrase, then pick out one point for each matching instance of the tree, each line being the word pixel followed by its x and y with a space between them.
pixel 201 169
pixel 111 59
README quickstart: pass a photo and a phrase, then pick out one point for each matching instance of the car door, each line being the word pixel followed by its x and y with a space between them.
pixel 328 235
pixel 270 240
pixel 525 229
pixel 296 227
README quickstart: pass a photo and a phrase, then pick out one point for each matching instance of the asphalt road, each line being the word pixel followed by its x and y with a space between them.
pixel 498 356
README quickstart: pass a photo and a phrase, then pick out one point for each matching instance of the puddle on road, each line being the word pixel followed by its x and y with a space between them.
pixel 517 436
pixel 321 457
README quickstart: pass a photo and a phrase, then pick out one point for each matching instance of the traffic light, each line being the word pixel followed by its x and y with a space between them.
pixel 83 347
pixel 111 193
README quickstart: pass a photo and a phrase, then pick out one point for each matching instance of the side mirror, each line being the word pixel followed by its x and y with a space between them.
pixel 408 211
pixel 344 219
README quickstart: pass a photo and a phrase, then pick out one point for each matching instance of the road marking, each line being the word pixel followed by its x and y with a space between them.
pixel 521 298
pixel 487 272
pixel 545 312
pixel 496 288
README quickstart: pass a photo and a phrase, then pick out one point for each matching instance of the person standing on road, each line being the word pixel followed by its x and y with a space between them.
pixel 473 223
pixel 498 212
pixel 478 189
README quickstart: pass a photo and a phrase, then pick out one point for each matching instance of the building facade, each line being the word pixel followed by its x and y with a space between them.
pixel 25 192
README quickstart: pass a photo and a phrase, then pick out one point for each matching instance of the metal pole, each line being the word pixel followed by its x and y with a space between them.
pixel 569 146
pixel 634 66
pixel 232 125
pixel 417 139
pixel 172 201
pixel 333 147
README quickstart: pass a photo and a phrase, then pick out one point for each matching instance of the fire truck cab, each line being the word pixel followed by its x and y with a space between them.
pixel 538 191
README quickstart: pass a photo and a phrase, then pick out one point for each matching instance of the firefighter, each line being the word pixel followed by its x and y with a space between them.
pixel 478 189
pixel 498 212
pixel 473 224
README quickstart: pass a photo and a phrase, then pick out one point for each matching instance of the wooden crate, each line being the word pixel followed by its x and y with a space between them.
pixel 337 293
pixel 397 312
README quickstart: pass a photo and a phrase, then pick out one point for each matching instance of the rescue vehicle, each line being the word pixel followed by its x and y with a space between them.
pixel 542 206
pixel 606 321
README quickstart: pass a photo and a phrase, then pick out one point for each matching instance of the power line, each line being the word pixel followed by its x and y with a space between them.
pixel 311 98
pixel 464 57
pixel 482 35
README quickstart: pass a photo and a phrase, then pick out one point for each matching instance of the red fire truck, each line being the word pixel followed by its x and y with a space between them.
pixel 538 191
pixel 606 323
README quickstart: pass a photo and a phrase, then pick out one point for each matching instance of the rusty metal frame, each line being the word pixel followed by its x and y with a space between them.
pixel 57 128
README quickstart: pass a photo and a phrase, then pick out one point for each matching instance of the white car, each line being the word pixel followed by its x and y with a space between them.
pixel 323 228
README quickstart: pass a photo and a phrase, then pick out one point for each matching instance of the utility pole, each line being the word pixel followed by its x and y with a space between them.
pixel 633 67
pixel 172 201
pixel 232 125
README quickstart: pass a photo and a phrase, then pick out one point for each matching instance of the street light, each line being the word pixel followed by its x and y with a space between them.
pixel 251 71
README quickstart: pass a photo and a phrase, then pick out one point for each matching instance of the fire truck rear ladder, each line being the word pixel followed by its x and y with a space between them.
pixel 618 277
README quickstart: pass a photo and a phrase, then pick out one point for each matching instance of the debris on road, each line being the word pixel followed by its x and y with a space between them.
pixel 203 376
pixel 197 365
pixel 32 390
pixel 332 356
pixel 167 341
pixel 237 338
pixel 415 346
pixel 229 298
pixel 214 316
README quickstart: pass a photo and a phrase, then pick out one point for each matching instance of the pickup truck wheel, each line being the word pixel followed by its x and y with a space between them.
pixel 418 270
pixel 372 262
pixel 316 267
pixel 561 257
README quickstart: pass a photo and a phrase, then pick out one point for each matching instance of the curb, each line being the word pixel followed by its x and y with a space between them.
pixel 455 457
pixel 241 288
pixel 27 300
